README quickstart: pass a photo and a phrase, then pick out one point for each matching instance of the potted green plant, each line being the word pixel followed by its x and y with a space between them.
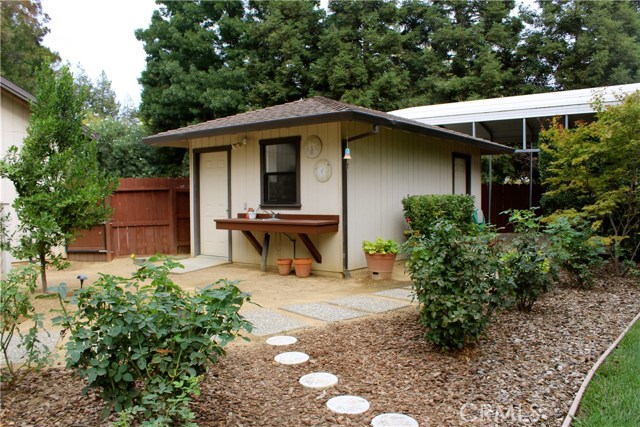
pixel 381 256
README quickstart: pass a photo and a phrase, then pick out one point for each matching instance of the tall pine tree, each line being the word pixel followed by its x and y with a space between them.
pixel 588 43
pixel 361 55
pixel 22 29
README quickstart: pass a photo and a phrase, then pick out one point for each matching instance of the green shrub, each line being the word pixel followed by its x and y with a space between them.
pixel 16 290
pixel 527 265
pixel 422 212
pixel 145 343
pixel 574 248
pixel 456 283
pixel 380 246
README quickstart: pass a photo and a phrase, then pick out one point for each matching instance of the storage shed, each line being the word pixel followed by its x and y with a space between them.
pixel 288 161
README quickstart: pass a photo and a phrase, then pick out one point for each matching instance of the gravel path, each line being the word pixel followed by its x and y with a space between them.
pixel 526 371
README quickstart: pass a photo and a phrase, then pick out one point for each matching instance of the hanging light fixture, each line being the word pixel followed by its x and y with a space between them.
pixel 347 152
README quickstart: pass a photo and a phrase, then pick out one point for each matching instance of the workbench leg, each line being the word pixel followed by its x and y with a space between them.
pixel 265 252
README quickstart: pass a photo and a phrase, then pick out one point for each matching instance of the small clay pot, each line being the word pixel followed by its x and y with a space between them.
pixel 284 266
pixel 302 266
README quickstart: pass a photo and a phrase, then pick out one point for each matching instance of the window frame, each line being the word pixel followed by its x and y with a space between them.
pixel 263 173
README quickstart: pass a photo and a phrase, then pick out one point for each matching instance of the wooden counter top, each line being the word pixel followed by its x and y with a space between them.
pixel 303 225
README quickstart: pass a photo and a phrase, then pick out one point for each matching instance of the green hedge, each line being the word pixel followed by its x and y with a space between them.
pixel 423 211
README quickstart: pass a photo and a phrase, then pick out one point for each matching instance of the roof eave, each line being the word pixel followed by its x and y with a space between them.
pixel 486 147
pixel 249 127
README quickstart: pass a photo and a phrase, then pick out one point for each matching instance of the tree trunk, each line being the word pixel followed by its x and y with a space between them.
pixel 43 271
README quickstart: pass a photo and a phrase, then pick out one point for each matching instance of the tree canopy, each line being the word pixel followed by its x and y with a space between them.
pixel 22 29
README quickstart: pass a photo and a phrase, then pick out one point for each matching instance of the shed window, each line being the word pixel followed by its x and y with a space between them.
pixel 280 171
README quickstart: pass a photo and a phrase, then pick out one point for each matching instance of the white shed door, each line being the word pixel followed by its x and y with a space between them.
pixel 214 203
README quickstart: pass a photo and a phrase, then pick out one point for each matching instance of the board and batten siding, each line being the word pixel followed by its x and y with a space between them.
pixel 315 197
pixel 14 121
pixel 385 168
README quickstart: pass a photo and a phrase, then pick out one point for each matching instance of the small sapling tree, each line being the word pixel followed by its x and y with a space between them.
pixel 527 265
pixel 59 186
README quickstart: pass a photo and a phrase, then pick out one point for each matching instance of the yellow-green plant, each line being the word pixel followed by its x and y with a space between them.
pixel 595 168
pixel 380 246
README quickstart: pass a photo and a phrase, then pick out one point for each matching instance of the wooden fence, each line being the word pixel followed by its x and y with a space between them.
pixel 150 215
pixel 505 197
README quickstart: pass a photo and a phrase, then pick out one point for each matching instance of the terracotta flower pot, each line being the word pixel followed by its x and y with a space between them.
pixel 284 266
pixel 380 265
pixel 302 266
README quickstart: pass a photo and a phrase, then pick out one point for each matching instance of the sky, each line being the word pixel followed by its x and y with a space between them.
pixel 99 36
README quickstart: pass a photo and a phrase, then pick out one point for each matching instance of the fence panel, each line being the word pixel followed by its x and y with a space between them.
pixel 505 197
pixel 150 215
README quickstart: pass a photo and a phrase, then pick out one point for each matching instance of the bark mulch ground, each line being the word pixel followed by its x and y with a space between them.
pixel 525 372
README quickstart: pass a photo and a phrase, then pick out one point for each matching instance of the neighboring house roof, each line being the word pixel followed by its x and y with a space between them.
pixel 516 107
pixel 517 120
pixel 313 111
pixel 16 90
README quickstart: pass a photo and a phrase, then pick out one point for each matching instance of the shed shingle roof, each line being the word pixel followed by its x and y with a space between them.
pixel 313 111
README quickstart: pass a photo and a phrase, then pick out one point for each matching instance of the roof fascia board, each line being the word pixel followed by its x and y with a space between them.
pixel 16 90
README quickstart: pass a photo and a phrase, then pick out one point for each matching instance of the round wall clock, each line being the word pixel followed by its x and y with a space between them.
pixel 313 146
pixel 322 170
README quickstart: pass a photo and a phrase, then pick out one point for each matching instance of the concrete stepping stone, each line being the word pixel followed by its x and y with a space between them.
pixel 348 405
pixel 282 340
pixel 323 311
pixel 393 420
pixel 267 322
pixel 291 358
pixel 48 340
pixel 369 303
pixel 319 380
pixel 397 293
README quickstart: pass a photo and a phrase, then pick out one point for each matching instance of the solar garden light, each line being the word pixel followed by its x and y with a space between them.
pixel 82 277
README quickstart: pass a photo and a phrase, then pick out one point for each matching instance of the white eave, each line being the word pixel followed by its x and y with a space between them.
pixel 570 102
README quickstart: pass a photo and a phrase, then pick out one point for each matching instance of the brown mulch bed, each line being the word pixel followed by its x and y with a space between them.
pixel 525 372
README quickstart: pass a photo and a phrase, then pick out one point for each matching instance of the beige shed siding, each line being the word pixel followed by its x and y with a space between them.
pixel 14 121
pixel 316 197
pixel 380 175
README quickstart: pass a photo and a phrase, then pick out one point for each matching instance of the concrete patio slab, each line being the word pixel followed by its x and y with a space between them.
pixel 198 263
pixel 368 303
pixel 398 293
pixel 323 311
pixel 267 322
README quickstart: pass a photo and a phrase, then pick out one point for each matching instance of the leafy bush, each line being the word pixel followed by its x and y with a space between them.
pixel 146 345
pixel 380 246
pixel 423 211
pixel 456 283
pixel 16 290
pixel 528 267
pixel 574 248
